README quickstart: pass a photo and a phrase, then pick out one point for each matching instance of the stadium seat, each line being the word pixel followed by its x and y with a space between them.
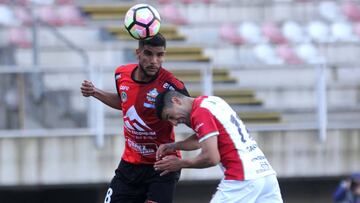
pixel 272 32
pixel 330 11
pixel 318 31
pixel 209 1
pixel 163 1
pixel 18 36
pixel 40 2
pixel 293 32
pixel 65 2
pixel 229 33
pixel 308 52
pixel 266 54
pixel 49 15
pixel 187 1
pixel 343 32
pixel 173 15
pixel 288 54
pixel 7 17
pixel 23 16
pixel 170 32
pixel 250 32
pixel 357 29
pixel 70 15
pixel 351 10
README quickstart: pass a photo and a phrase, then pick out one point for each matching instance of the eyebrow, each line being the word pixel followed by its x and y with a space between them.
pixel 154 52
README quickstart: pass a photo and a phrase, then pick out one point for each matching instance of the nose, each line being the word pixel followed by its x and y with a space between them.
pixel 153 59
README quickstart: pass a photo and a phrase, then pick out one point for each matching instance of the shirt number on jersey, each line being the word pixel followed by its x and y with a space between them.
pixel 235 121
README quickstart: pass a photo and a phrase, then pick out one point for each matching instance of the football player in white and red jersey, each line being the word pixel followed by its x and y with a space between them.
pixel 224 139
pixel 137 86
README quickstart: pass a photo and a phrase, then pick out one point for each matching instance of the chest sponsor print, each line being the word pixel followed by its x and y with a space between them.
pixel 150 98
pixel 145 149
pixel 123 97
pixel 135 125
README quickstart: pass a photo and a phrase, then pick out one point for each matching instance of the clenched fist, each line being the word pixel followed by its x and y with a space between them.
pixel 87 88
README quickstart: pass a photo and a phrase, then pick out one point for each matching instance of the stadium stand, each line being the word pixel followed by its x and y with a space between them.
pixel 169 31
pixel 288 54
pixel 171 14
pixel 273 33
pixel 190 54
pixel 229 33
pixel 264 58
pixel 19 36
pixel 351 10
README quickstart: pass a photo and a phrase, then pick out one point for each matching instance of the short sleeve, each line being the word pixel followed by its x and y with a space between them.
pixel 117 79
pixel 204 124
pixel 172 83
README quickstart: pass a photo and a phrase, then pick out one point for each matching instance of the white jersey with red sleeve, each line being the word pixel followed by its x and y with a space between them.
pixel 240 156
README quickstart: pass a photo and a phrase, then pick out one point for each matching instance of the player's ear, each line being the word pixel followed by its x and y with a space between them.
pixel 176 100
pixel 137 52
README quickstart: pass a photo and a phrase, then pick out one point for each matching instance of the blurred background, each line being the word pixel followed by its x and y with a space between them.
pixel 290 68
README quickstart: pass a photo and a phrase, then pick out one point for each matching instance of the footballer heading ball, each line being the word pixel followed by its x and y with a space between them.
pixel 142 21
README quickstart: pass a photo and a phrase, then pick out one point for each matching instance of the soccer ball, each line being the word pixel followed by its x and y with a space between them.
pixel 142 21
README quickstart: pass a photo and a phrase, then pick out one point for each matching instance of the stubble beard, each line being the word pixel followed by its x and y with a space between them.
pixel 143 70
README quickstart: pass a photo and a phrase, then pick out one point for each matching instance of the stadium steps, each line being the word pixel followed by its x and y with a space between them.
pixel 111 12
pixel 105 12
pixel 189 53
pixel 238 97
pixel 170 33
pixel 245 97
pixel 192 76
pixel 186 54
pixel 260 117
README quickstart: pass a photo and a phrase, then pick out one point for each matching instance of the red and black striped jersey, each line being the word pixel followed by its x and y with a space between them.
pixel 143 130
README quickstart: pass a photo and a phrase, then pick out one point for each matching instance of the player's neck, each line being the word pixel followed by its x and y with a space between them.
pixel 140 76
pixel 189 101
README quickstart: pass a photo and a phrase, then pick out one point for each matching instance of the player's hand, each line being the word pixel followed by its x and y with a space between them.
pixel 168 164
pixel 87 88
pixel 165 149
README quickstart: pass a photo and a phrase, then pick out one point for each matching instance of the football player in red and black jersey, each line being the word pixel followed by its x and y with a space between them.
pixel 137 86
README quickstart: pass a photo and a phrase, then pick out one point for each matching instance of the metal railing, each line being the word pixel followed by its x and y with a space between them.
pixel 97 126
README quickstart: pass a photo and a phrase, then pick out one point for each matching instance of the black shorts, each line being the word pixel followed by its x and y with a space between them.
pixel 134 183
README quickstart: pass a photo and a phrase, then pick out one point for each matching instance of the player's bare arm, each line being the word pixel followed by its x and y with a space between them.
pixel 208 157
pixel 111 99
pixel 189 144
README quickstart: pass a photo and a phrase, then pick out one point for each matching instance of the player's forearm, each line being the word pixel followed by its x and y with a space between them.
pixel 108 98
pixel 200 161
pixel 209 155
pixel 189 144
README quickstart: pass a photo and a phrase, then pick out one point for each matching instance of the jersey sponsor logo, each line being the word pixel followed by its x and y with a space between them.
pixel 123 97
pixel 142 148
pixel 124 87
pixel 150 98
pixel 135 125
pixel 168 86
pixel 150 106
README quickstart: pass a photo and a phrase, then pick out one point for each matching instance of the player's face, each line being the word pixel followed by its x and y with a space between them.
pixel 176 115
pixel 150 59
